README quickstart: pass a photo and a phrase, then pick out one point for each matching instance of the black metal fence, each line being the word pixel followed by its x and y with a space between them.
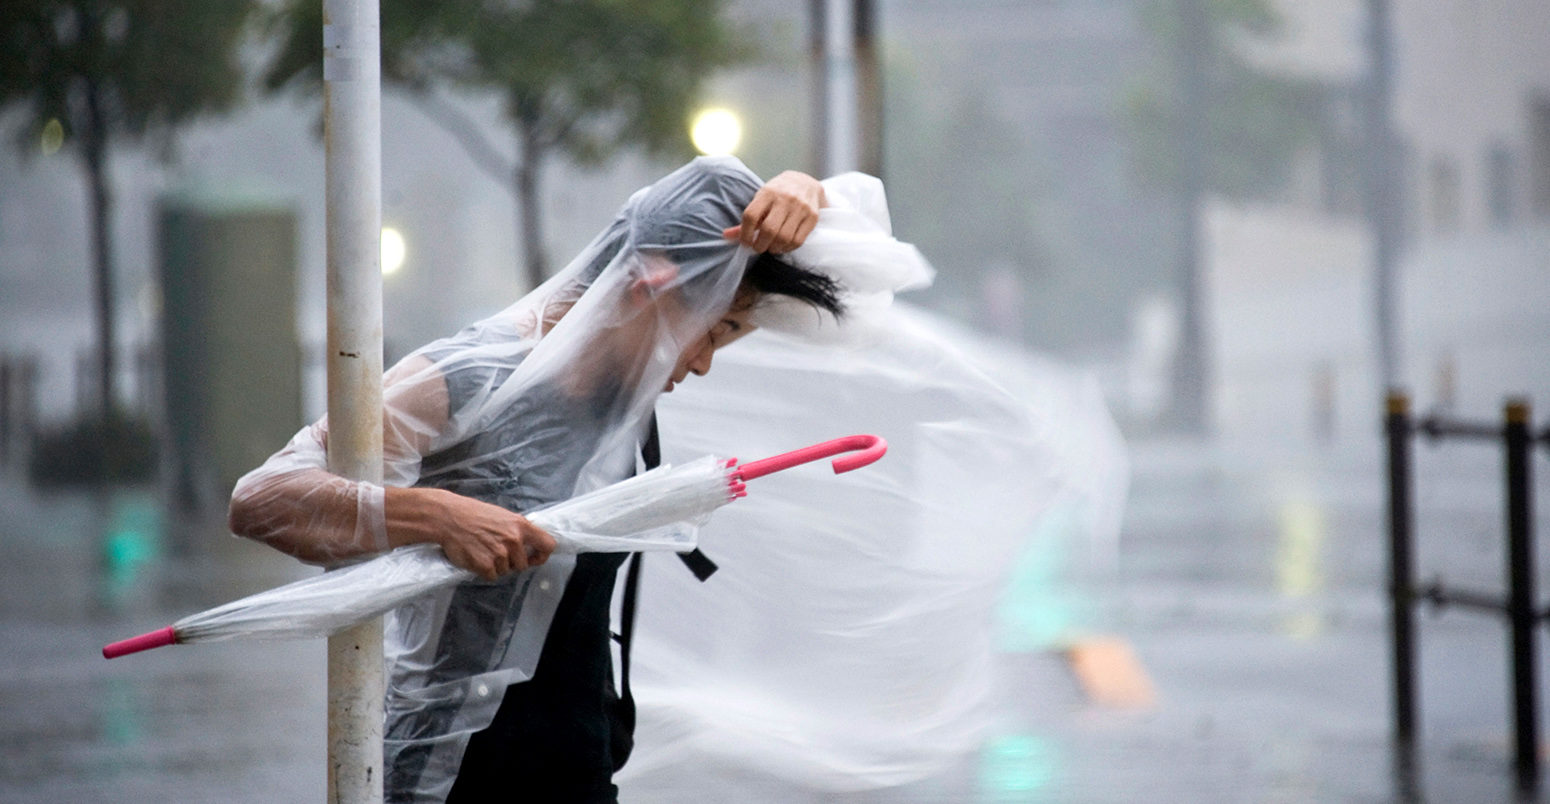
pixel 1518 606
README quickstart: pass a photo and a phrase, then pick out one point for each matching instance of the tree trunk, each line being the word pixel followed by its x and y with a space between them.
pixel 94 154
pixel 1190 367
pixel 530 228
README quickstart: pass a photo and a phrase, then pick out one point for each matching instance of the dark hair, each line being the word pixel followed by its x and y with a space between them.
pixel 767 273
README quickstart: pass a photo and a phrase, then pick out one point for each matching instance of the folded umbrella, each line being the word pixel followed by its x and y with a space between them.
pixel 657 510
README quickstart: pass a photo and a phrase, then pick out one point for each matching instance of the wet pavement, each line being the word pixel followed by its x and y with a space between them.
pixel 1247 582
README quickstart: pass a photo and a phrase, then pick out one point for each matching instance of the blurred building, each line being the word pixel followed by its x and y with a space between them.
pixel 1008 163
pixel 1004 153
pixel 1007 160
pixel 1475 111
pixel 232 367
pixel 1291 294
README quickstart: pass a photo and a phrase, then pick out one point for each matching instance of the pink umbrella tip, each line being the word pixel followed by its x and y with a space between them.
pixel 153 639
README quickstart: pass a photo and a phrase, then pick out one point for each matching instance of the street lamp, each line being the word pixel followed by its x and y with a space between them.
pixel 716 131
pixel 53 136
pixel 393 251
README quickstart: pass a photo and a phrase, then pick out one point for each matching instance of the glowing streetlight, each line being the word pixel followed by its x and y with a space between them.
pixel 53 136
pixel 716 131
pixel 393 251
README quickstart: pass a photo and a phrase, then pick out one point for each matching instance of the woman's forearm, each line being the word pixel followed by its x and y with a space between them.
pixel 294 504
pixel 477 536
pixel 309 513
pixel 322 518
pixel 416 515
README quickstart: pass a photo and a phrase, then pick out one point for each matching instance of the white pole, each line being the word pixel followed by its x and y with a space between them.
pixel 840 64
pixel 818 62
pixel 352 137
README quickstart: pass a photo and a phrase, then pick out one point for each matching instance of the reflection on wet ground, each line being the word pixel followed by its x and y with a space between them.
pixel 1250 598
pixel 231 723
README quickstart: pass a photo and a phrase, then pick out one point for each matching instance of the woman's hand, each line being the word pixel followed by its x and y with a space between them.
pixel 781 215
pixel 482 538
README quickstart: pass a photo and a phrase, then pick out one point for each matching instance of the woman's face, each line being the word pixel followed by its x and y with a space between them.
pixel 733 324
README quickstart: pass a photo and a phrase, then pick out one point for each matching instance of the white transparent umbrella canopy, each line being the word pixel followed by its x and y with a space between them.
pixel 657 510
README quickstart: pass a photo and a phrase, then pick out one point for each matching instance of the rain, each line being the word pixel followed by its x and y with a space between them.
pixel 1214 281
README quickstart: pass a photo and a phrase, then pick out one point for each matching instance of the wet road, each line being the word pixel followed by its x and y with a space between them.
pixel 231 723
pixel 1247 582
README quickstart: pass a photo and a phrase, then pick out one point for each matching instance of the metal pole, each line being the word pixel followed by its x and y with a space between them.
pixel 27 404
pixel 817 36
pixel 352 125
pixel 7 418
pixel 145 379
pixel 869 85
pixel 86 396
pixel 1520 592
pixel 840 65
pixel 1401 568
pixel 1383 201
pixel 1189 401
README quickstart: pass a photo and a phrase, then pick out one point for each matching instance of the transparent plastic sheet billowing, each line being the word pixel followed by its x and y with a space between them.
pixel 847 642
pixel 549 399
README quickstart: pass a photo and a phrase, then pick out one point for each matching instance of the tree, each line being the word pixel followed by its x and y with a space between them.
pixel 971 193
pixel 581 78
pixel 1216 122
pixel 1252 120
pixel 101 72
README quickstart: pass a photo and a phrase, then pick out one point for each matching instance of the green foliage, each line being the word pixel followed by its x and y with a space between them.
pixel 583 77
pixel 1254 120
pixel 151 64
pixel 89 73
pixel 94 451
pixel 971 190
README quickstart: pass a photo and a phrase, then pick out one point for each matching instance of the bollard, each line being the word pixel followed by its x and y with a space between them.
pixel 1520 588
pixel 1398 428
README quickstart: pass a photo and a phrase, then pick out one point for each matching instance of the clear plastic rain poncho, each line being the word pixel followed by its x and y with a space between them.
pixel 548 399
pixel 854 638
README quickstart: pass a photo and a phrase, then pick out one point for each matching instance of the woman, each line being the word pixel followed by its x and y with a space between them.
pixel 505 684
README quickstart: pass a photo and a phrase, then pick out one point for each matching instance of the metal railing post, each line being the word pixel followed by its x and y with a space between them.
pixel 1520 588
pixel 1398 428
pixel 352 111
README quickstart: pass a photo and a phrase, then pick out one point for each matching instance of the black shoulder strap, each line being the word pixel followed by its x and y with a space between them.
pixel 627 627
pixel 651 450
pixel 651 454
pixel 698 563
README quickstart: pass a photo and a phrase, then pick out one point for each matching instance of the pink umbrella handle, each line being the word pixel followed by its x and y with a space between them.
pixel 154 639
pixel 867 448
